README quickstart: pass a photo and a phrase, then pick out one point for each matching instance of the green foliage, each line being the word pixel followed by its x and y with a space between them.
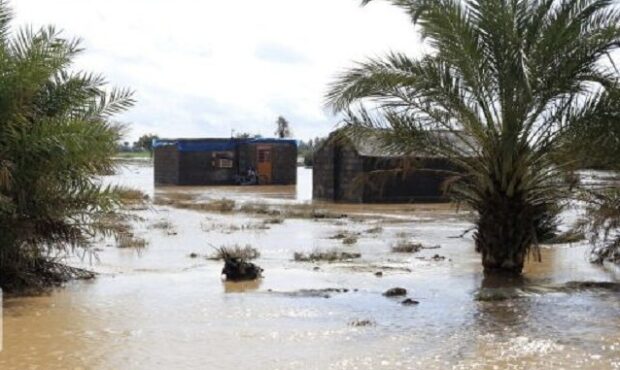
pixel 602 223
pixel 145 142
pixel 506 87
pixel 56 136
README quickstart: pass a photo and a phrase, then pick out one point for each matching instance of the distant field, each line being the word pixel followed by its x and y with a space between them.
pixel 144 154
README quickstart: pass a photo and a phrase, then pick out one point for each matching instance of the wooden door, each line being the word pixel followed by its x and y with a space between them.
pixel 264 169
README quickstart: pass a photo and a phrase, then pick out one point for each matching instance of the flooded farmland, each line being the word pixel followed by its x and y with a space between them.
pixel 164 305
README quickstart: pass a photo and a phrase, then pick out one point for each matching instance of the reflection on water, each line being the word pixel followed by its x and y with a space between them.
pixel 241 287
pixel 161 309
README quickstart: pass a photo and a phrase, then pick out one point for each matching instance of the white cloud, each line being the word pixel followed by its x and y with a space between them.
pixel 204 67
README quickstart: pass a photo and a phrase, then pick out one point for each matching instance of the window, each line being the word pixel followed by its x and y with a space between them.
pixel 225 163
pixel 264 155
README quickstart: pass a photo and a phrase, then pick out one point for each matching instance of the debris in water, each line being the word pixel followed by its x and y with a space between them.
pixel 409 302
pixel 359 323
pixel 343 235
pixel 375 230
pixel 349 240
pixel 315 293
pixel 236 266
pixel 405 246
pixel 436 258
pixel 395 292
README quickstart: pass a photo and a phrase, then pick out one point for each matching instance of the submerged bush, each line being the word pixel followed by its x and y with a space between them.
pixel 56 137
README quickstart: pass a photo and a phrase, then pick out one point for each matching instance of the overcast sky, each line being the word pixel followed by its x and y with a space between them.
pixel 205 67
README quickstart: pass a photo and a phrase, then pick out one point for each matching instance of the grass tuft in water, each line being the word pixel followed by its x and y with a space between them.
pixel 244 253
pixel 332 255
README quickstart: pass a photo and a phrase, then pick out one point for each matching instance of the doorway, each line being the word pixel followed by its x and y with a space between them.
pixel 265 168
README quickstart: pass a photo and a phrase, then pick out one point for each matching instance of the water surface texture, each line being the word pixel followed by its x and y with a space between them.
pixel 157 308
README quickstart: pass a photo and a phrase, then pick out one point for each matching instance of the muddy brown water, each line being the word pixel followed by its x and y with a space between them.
pixel 157 308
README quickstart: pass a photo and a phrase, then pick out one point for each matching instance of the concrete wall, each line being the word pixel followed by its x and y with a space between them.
pixel 336 173
pixel 284 164
pixel 283 161
pixel 201 168
pixel 166 165
pixel 341 174
pixel 413 186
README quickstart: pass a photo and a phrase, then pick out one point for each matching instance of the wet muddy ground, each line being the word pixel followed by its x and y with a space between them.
pixel 165 306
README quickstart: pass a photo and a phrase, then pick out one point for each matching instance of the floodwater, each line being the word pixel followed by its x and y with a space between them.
pixel 157 308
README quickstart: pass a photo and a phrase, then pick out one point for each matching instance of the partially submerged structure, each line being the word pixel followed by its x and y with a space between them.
pixel 216 161
pixel 359 170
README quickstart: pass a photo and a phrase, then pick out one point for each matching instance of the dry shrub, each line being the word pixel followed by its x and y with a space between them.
pixel 274 221
pixel 244 253
pixel 375 230
pixel 259 209
pixel 406 246
pixel 328 256
pixel 132 196
pixel 349 240
pixel 128 240
pixel 162 225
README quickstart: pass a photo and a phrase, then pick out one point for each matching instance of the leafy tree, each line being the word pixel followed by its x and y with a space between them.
pixel 283 130
pixel 145 142
pixel 56 136
pixel 504 85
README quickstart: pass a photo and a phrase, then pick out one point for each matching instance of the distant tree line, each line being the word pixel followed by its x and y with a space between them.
pixel 143 144
pixel 306 149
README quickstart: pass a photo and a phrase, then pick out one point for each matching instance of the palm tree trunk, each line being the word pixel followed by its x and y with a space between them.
pixel 505 232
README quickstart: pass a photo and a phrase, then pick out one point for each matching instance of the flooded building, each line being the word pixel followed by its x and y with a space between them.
pixel 224 161
pixel 358 170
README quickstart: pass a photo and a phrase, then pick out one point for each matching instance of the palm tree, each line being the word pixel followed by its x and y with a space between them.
pixel 56 136
pixel 507 81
